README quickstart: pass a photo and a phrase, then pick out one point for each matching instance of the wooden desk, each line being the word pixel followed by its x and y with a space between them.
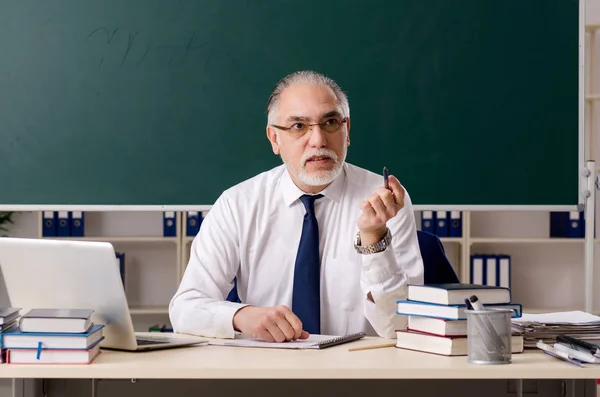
pixel 220 362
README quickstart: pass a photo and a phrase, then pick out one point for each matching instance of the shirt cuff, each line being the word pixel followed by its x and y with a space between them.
pixel 215 320
pixel 379 267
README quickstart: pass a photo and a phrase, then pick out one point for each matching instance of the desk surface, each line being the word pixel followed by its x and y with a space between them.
pixel 214 362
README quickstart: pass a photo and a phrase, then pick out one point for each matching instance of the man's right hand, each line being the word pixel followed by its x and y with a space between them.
pixel 271 324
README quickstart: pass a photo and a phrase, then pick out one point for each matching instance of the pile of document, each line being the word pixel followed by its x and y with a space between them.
pixel 547 326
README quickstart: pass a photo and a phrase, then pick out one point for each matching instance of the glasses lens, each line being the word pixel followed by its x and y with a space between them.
pixel 332 125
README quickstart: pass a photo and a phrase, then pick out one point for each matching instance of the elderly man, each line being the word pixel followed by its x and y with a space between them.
pixel 316 245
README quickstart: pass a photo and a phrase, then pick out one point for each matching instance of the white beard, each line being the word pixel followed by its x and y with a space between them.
pixel 322 177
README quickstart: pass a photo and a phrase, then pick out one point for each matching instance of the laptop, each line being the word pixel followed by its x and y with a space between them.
pixel 46 273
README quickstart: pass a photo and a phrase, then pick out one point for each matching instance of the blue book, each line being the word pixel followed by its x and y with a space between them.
pixel 18 339
pixel 456 293
pixel 448 312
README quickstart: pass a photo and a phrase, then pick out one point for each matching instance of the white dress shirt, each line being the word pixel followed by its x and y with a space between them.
pixel 252 232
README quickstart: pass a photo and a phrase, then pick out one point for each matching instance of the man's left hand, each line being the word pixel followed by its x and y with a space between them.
pixel 381 206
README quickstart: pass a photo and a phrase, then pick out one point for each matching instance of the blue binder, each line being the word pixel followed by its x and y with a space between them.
pixel 64 224
pixel 491 271
pixel 77 221
pixel 169 224
pixel 566 224
pixel 192 226
pixel 428 221
pixel 477 269
pixel 49 219
pixel 504 271
pixel 455 226
pixel 441 223
pixel 574 229
pixel 121 260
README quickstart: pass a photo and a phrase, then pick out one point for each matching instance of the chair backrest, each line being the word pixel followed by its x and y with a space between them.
pixel 437 267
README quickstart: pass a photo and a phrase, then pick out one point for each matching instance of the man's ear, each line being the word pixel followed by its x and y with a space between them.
pixel 272 135
pixel 348 132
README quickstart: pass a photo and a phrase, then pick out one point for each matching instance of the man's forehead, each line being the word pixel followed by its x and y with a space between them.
pixel 307 98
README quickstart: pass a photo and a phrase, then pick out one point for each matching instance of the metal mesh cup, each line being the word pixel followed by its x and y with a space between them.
pixel 489 336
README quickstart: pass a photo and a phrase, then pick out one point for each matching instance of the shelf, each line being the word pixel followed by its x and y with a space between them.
pixel 121 239
pixel 451 240
pixel 541 240
pixel 149 310
pixel 591 98
pixel 189 239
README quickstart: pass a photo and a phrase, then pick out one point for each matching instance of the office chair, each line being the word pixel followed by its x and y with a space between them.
pixel 436 266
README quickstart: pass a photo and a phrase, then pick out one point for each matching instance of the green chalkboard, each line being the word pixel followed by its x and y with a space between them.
pixel 162 102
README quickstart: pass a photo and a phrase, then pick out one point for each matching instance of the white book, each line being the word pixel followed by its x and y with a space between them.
pixel 443 345
pixel 35 356
pixel 437 326
pixel 56 320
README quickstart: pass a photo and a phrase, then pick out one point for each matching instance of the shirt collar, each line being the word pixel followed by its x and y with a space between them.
pixel 333 191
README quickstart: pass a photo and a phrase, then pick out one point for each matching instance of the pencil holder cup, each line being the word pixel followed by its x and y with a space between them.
pixel 489 336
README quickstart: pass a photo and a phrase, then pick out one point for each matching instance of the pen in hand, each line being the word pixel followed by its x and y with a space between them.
pixel 386 182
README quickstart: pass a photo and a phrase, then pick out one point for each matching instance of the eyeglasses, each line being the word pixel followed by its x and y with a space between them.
pixel 300 128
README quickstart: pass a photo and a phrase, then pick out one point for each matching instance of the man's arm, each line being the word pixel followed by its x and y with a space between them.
pixel 385 275
pixel 199 306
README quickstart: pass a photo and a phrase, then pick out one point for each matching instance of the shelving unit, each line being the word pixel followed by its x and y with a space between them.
pixel 161 261
pixel 136 242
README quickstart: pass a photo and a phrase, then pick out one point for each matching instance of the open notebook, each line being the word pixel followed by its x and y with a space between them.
pixel 313 342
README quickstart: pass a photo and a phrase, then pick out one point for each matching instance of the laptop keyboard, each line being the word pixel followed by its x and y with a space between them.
pixel 146 342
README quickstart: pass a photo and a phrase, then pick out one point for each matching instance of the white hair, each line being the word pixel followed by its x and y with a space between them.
pixel 305 76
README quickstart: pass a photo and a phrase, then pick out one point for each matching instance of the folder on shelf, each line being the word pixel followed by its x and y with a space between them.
pixel 428 221
pixel 491 270
pixel 503 271
pixel 64 224
pixel 441 223
pixel 477 269
pixel 121 263
pixel 567 224
pixel 77 228
pixel 455 225
pixel 193 223
pixel 49 219
pixel 169 224
pixel 574 227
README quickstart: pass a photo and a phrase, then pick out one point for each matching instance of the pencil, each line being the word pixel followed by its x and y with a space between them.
pixel 352 349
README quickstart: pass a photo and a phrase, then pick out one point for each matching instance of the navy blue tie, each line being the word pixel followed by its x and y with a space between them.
pixel 306 300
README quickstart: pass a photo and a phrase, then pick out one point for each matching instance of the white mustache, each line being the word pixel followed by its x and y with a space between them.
pixel 319 153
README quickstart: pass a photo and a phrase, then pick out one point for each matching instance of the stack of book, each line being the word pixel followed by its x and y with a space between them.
pixel 54 336
pixel 437 321
pixel 9 317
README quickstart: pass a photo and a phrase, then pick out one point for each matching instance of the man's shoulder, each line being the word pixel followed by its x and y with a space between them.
pixel 256 185
pixel 366 182
pixel 363 178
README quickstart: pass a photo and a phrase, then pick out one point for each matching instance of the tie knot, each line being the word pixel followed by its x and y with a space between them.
pixel 309 202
